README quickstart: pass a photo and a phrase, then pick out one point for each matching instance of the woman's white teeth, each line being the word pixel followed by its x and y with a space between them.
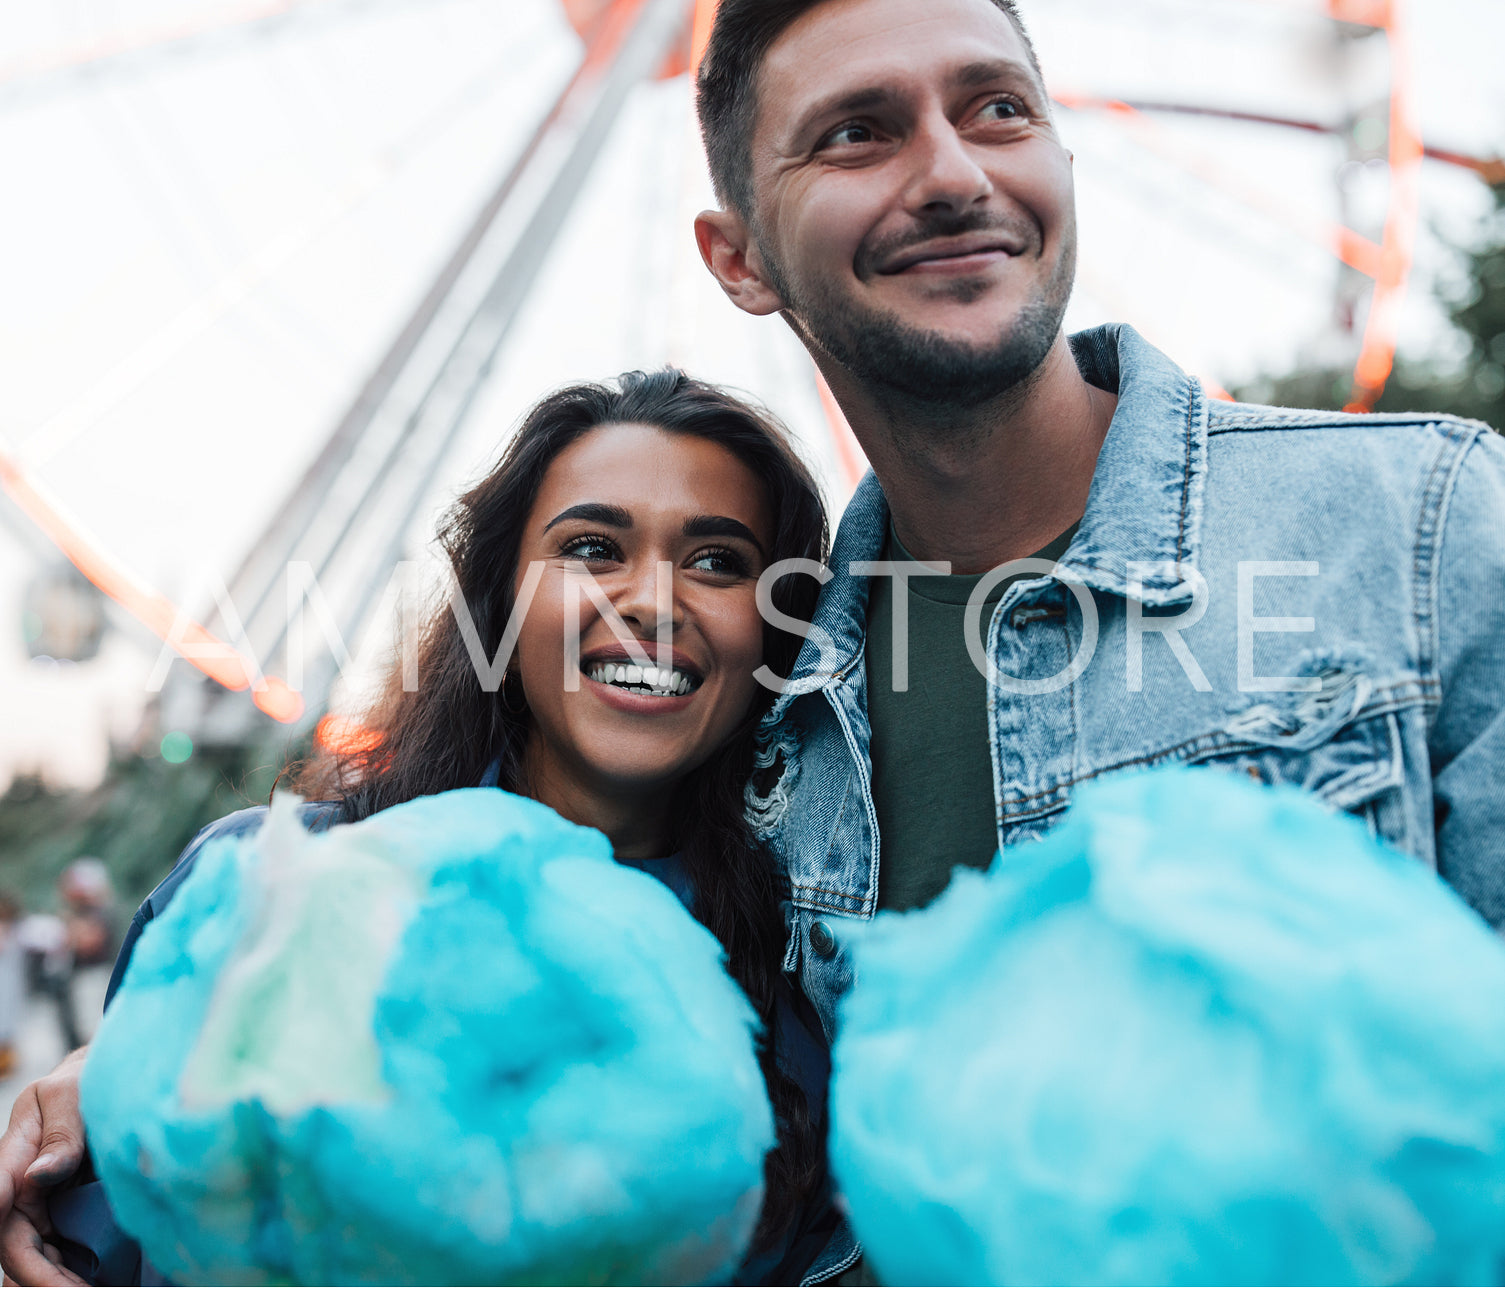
pixel 658 680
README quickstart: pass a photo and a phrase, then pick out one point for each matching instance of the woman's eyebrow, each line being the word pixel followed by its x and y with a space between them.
pixel 722 526
pixel 594 512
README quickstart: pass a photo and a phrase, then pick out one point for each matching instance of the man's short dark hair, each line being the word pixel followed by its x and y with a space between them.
pixel 726 91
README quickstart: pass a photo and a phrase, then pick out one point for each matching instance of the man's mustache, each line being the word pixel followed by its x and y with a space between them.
pixel 874 255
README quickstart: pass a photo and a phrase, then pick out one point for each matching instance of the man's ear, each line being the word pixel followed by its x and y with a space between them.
pixel 729 252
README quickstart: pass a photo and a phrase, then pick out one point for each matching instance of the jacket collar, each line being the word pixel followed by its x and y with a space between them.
pixel 1145 504
pixel 1144 507
pixel 839 627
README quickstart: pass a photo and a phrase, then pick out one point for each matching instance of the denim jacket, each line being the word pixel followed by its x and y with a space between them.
pixel 1309 598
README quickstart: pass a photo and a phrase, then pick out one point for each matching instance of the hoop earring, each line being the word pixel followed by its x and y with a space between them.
pixel 513 705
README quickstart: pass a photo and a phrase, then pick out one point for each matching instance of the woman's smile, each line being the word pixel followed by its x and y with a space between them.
pixel 671 678
pixel 639 700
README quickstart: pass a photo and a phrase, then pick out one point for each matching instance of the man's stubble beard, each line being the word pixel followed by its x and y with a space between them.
pixel 922 368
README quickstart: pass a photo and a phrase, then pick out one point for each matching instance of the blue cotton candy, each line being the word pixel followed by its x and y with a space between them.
pixel 1203 1032
pixel 453 1043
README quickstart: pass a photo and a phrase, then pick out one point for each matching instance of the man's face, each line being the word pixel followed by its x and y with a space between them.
pixel 913 207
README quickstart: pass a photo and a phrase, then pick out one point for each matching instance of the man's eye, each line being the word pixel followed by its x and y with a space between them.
pixel 727 563
pixel 591 549
pixel 845 136
pixel 1002 109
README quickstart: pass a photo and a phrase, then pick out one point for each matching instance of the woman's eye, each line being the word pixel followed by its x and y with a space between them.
pixel 591 549
pixel 726 563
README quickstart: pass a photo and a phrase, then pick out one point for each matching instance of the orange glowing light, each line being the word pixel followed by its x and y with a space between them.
pixel 345 737
pixel 1357 251
pixel 1353 248
pixel 588 17
pixel 585 14
pixel 1398 246
pixel 1390 263
pixel 279 700
pixel 700 32
pixel 1362 13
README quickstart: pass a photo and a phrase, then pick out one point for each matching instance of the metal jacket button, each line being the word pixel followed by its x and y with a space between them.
pixel 821 939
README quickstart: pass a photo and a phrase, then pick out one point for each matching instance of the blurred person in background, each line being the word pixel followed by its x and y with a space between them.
pixel 89 912
pixel 49 968
pixel 91 922
pixel 12 981
pixel 68 954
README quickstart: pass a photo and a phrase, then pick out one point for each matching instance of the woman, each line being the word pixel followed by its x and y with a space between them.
pixel 629 702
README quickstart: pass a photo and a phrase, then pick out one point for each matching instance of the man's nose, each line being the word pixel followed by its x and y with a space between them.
pixel 646 599
pixel 945 174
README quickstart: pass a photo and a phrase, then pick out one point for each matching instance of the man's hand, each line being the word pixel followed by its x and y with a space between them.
pixel 42 1148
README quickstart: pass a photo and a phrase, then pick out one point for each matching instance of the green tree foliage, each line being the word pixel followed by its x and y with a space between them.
pixel 137 819
pixel 1476 388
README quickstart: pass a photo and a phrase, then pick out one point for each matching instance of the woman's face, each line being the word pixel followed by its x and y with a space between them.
pixel 615 505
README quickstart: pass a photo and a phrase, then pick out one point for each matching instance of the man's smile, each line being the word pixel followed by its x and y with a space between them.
pixel 967 253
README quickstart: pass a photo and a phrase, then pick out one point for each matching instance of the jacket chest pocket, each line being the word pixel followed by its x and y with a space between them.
pixel 1326 745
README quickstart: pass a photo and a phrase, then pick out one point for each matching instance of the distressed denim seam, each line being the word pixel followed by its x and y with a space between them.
pixel 1382 702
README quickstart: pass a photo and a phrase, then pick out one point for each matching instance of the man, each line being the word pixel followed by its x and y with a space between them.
pixel 1304 597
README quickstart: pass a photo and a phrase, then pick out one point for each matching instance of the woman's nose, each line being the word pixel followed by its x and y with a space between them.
pixel 647 601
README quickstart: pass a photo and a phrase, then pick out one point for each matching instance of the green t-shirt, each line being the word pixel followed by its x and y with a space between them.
pixel 932 770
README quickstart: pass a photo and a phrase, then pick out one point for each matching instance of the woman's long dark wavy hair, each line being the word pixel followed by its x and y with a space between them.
pixel 447 732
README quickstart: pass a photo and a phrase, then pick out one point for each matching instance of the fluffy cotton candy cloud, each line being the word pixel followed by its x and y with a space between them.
pixel 454 1043
pixel 1202 1033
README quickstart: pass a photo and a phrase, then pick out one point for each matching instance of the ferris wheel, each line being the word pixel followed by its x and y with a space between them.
pixel 1216 93
pixel 1183 114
